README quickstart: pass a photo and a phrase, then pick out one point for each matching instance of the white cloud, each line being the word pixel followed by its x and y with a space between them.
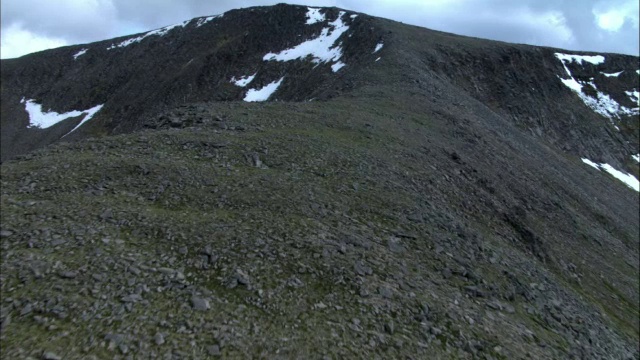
pixel 612 20
pixel 17 41
pixel 612 16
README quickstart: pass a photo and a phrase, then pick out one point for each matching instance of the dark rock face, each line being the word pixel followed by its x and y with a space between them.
pixel 524 84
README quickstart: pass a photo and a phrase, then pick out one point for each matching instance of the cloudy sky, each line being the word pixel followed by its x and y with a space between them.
pixel 589 25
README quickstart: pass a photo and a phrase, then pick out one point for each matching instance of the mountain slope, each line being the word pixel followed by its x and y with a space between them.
pixel 425 204
pixel 195 61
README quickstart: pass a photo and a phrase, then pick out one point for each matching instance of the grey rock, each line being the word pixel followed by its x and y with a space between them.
pixel 474 291
pixel 175 122
pixel 183 250
pixel 68 274
pixel 342 249
pixel 207 250
pixel 5 322
pixel 295 282
pixel 385 291
pixel 179 275
pixel 424 307
pixel 51 356
pixel 242 277
pixel 158 338
pixel 361 269
pixel 320 306
pixel 115 338
pixel 395 245
pixel 200 304
pixel 214 350
pixel 106 214
pixel 58 242
pixel 131 298
pixel 389 327
pixel 5 233
pixel 232 283
pixel 26 310
pixel 166 271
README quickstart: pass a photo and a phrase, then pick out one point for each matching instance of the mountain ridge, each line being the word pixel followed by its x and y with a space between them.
pixel 465 80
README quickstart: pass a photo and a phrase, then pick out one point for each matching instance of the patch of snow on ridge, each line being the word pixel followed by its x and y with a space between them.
pixel 634 96
pixel 378 47
pixel 606 106
pixel 636 158
pixel 337 66
pixel 89 114
pixel 593 59
pixel 602 104
pixel 264 93
pixel 80 53
pixel 627 179
pixel 314 16
pixel 243 81
pixel 321 48
pixel 203 21
pixel 43 120
pixel 158 32
pixel 612 74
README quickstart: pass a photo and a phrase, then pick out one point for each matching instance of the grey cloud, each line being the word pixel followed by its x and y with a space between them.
pixel 61 19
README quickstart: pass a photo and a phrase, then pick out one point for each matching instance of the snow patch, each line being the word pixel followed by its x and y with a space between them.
pixel 627 179
pixel 378 59
pixel 353 16
pixel 593 59
pixel 337 66
pixel 636 158
pixel 602 104
pixel 43 120
pixel 378 47
pixel 158 32
pixel 79 53
pixel 264 93
pixel 634 96
pixel 203 21
pixel 243 81
pixel 322 49
pixel 612 74
pixel 314 16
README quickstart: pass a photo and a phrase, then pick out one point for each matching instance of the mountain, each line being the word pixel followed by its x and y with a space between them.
pixel 290 182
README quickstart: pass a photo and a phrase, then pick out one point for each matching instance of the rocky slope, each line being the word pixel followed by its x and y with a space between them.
pixel 431 201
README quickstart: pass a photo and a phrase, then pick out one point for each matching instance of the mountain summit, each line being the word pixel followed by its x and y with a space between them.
pixel 293 181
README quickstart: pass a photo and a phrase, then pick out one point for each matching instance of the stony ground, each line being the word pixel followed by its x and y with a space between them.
pixel 304 231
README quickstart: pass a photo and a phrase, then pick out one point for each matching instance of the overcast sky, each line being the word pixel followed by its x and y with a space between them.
pixel 589 25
